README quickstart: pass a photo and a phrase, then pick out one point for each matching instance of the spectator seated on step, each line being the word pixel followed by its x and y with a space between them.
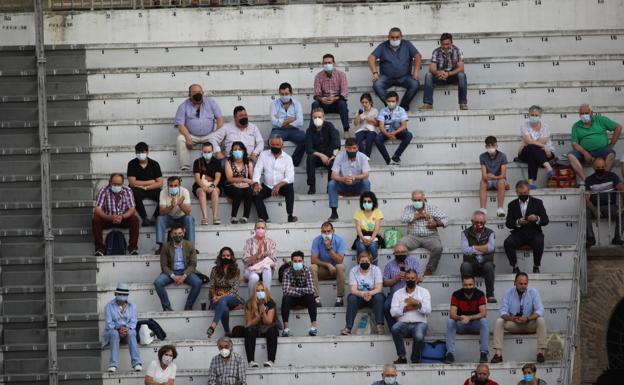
pixel 590 140
pixel 175 209
pixel 259 257
pixel 368 225
pixel 331 90
pixel 164 370
pixel 120 319
pixel 423 219
pixel 274 174
pixel 145 179
pixel 604 194
pixel 365 290
pixel 446 67
pixel 322 143
pixel 178 264
pixel 392 126
pixel 327 255
pixel 349 174
pixel 195 118
pixel 115 208
pixel 468 314
pixel 238 130
pixel 298 290
pixel 388 376
pixel 481 376
pixel 227 367
pixel 366 124
pixel 399 63
pixel 411 305
pixel 239 174
pixel 394 276
pixel 493 175
pixel 521 311
pixel 207 174
pixel 286 117
pixel 223 292
pixel 478 244
pixel 537 149
pixel 261 320
pixel 529 375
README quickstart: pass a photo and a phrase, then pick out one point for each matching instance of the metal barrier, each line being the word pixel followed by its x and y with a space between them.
pixel 608 209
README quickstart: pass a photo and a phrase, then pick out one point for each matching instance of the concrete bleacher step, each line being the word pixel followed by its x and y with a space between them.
pixel 68 361
pixel 39 336
pixel 27 137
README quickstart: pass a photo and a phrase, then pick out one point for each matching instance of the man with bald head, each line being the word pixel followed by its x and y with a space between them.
pixel 603 187
pixel 481 376
pixel 590 140
pixel 388 376
pixel 423 219
pixel 195 119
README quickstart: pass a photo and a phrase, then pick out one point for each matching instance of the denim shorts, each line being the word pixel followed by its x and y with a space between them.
pixel 599 153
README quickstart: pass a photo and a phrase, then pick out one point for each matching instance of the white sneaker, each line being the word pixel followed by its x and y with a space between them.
pixel 268 364
pixel 483 210
pixel 500 212
pixel 112 369
pixel 254 364
pixel 138 368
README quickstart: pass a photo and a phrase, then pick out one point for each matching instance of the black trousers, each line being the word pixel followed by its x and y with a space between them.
pixel 307 300
pixel 140 194
pixel 535 157
pixel 287 191
pixel 239 195
pixel 518 239
pixel 312 162
pixel 252 333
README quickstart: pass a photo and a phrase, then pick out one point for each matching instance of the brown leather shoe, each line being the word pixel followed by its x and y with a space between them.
pixel 428 271
pixel 497 359
pixel 540 358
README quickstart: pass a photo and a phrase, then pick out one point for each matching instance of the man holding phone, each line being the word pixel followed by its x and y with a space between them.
pixel 481 376
pixel 394 276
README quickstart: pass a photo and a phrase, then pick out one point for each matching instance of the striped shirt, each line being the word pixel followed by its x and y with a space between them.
pixel 227 371
pixel 297 283
pixel 113 204
pixel 418 227
pixel 334 85
pixel 393 269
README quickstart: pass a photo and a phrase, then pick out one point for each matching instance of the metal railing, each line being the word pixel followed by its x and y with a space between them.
pixel 606 208
pixel 145 4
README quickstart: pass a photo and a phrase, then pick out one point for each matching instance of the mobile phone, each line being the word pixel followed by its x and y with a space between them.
pixel 402 268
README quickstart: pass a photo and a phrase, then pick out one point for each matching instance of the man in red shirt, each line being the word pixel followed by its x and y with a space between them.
pixel 481 376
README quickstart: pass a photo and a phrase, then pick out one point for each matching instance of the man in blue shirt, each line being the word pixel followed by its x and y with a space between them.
pixel 392 126
pixel 521 311
pixel 287 120
pixel 399 63
pixel 327 252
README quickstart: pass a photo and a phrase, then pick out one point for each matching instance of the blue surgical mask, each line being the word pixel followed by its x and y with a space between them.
pixel 534 119
pixel 237 154
pixel 528 377
pixel 141 156
pixel 260 295
pixel 418 205
pixel 121 298
pixel 389 380
pixel 367 206
pixel 585 118
pixel 174 190
pixel 207 155
pixel 116 189
pixel 285 98
pixel 298 265
pixel 328 67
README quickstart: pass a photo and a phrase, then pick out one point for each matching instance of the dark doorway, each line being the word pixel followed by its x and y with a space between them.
pixel 615 338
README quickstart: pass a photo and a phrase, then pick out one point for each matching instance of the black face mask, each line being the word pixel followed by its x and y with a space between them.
pixel 198 97
pixel 276 150
pixel 364 265
pixel 226 261
pixel 400 257
pixel 243 121
pixel 410 284
pixel 469 291
pixel 351 154
pixel 523 198
pixel 480 382
pixel 600 172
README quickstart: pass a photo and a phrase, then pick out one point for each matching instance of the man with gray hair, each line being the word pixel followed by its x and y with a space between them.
pixel 477 245
pixel 388 376
pixel 274 174
pixel 228 367
pixel 423 219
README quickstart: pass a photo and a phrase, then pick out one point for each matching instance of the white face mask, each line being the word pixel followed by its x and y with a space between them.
pixel 167 360
pixel 225 353
pixel 395 43
pixel 318 122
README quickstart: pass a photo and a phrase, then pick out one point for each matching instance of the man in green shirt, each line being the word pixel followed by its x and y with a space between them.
pixel 590 140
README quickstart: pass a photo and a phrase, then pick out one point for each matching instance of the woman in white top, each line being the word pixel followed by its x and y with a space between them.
pixel 366 122
pixel 163 371
pixel 537 148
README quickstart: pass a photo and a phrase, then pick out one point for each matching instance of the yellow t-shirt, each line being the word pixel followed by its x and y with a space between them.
pixel 366 223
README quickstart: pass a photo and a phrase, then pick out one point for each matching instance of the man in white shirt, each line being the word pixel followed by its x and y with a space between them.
pixel 410 306
pixel 274 174
pixel 240 130
pixel 175 207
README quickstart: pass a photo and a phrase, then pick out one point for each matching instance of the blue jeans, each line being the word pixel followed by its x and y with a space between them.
pixel 294 135
pixel 163 222
pixel 356 303
pixel 481 325
pixel 372 248
pixel 405 137
pixel 365 140
pixel 222 310
pixel 164 280
pixel 416 330
pixel 334 188
pixel 390 320
pixel 459 79
pixel 133 347
pixel 411 87
pixel 340 107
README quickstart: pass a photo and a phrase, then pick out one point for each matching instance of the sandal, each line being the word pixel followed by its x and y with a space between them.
pixel 204 221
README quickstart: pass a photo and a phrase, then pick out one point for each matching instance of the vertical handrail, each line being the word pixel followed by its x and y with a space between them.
pixel 46 212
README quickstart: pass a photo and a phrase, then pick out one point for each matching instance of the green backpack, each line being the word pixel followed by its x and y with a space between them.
pixel 392 237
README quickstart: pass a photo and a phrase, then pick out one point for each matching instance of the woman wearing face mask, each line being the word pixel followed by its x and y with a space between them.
pixel 223 292
pixel 238 174
pixel 163 371
pixel 367 225
pixel 528 376
pixel 365 286
pixel 207 174
pixel 259 257
pixel 536 148
pixel 366 122
pixel 261 321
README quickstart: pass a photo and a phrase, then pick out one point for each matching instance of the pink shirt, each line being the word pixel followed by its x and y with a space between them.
pixel 334 85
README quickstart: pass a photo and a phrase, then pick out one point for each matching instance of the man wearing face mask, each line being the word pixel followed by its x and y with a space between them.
pixel 394 276
pixel 590 140
pixel 120 319
pixel 481 376
pixel 423 219
pixel 331 90
pixel 298 289
pixel 145 179
pixel 477 245
pixel 273 175
pixel 227 367
pixel 525 217
pixel 175 208
pixel 195 119
pixel 388 376
pixel 529 377
pixel 349 174
pixel 399 63
pixel 327 254
pixel 493 175
pixel 287 120
pixel 178 263
pixel 239 130
pixel 322 143
pixel 114 208
pixel 410 306
pixel 605 185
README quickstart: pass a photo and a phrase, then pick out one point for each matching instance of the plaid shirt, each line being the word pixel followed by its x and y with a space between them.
pixel 231 371
pixel 113 205
pixel 297 284
pixel 447 60
pixel 336 85
pixel 419 227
